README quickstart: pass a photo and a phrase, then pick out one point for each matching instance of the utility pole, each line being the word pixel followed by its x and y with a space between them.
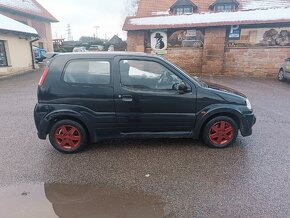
pixel 69 35
pixel 97 27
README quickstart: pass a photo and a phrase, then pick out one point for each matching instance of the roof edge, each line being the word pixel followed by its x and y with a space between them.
pixel 51 18
pixel 19 32
pixel 189 1
pixel 217 24
pixel 213 19
pixel 223 2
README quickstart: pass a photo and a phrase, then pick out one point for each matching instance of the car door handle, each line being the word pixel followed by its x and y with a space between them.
pixel 126 98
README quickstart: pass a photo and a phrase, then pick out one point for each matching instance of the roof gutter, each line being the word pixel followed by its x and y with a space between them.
pixel 31 50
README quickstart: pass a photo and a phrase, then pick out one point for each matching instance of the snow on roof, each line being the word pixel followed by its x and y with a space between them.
pixel 25 4
pixel 158 13
pixel 31 7
pixel 263 4
pixel 9 24
pixel 209 19
pixel 146 7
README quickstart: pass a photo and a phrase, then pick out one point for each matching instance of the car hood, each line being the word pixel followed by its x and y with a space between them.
pixel 224 89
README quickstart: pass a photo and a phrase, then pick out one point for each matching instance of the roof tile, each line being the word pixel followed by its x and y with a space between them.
pixel 30 7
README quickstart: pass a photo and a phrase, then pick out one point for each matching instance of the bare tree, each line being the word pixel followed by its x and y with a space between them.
pixel 131 7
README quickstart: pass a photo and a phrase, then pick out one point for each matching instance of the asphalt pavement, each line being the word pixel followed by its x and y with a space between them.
pixel 166 177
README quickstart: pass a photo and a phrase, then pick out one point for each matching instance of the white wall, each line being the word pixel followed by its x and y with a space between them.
pixel 18 54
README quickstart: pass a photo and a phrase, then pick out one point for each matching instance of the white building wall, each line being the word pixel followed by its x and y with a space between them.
pixel 18 54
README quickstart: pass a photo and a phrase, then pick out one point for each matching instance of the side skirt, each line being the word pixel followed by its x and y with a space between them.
pixel 157 135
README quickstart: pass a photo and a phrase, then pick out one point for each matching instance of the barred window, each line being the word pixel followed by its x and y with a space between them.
pixel 3 55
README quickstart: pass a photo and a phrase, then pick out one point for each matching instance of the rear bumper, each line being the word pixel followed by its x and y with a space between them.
pixel 247 123
pixel 40 123
pixel 41 135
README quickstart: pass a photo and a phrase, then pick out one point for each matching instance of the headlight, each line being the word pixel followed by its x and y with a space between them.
pixel 248 104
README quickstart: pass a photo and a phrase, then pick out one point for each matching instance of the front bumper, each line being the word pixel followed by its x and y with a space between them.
pixel 247 122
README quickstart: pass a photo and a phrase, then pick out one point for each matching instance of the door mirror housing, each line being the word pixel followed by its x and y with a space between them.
pixel 181 87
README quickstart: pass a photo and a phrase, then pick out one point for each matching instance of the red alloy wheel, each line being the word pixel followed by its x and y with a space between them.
pixel 68 137
pixel 221 133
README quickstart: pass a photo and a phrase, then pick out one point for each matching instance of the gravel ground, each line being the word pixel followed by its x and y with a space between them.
pixel 249 179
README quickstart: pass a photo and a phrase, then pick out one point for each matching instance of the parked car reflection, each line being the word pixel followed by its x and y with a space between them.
pixel 93 201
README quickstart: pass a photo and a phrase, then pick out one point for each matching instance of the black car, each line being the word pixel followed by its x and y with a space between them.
pixel 86 97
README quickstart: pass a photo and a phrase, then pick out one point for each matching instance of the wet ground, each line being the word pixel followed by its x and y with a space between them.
pixel 146 178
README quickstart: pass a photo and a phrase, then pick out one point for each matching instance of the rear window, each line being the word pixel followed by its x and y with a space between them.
pixel 88 72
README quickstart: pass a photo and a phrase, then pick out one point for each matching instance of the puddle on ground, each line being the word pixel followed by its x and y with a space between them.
pixel 69 201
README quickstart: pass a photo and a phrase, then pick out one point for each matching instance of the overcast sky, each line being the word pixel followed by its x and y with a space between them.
pixel 83 15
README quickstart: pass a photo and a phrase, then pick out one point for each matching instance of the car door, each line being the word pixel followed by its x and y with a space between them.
pixel 89 87
pixel 287 68
pixel 146 101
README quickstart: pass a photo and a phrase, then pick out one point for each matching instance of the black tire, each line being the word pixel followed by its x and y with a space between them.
pixel 76 135
pixel 281 77
pixel 213 133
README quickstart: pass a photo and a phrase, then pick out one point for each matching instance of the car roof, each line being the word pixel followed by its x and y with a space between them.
pixel 103 54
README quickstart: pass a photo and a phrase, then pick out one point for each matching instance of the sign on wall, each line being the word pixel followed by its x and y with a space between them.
pixel 186 38
pixel 274 37
pixel 158 41
pixel 235 32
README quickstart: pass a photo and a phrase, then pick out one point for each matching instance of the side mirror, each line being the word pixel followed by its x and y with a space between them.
pixel 182 87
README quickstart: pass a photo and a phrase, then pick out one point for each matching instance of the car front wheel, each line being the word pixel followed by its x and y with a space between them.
pixel 281 75
pixel 68 137
pixel 220 132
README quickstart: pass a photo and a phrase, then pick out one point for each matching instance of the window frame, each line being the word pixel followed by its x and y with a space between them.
pixel 41 45
pixel 175 10
pixel 110 84
pixel 145 90
pixel 224 5
pixel 5 54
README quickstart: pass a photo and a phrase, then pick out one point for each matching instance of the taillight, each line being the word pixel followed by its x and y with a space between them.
pixel 44 75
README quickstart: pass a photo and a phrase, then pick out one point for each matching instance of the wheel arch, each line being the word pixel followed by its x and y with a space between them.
pixel 56 117
pixel 233 114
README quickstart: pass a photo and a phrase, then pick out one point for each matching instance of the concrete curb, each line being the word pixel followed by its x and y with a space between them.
pixel 11 76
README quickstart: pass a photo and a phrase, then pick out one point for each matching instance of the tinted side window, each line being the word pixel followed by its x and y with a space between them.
pixel 88 72
pixel 147 75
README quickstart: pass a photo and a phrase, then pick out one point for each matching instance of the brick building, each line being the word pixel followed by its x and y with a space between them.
pixel 31 13
pixel 236 37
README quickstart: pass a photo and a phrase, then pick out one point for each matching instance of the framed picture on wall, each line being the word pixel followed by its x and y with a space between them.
pixel 158 40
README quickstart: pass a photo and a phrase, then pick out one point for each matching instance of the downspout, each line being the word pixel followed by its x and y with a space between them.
pixel 31 50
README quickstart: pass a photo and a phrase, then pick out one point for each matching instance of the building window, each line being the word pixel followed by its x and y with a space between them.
pixel 183 10
pixel 40 45
pixel 224 7
pixel 3 55
pixel 183 7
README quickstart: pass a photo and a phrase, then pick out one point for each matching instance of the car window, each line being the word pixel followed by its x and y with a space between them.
pixel 147 75
pixel 88 72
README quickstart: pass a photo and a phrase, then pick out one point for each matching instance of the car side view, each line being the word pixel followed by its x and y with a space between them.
pixel 86 97
pixel 284 72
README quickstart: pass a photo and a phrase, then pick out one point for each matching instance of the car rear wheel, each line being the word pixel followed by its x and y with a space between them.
pixel 68 137
pixel 220 132
pixel 281 75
